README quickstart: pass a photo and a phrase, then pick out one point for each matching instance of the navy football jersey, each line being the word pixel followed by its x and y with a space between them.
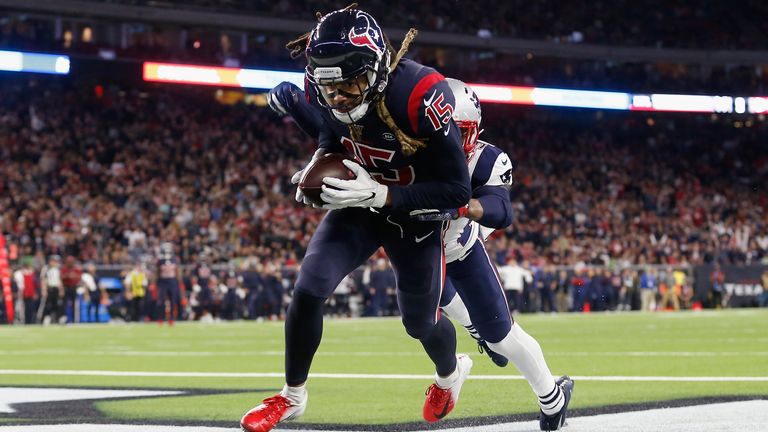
pixel 421 105
pixel 203 273
pixel 167 268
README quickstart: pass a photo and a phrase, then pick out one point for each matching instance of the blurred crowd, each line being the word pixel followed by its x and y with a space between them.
pixel 655 23
pixel 104 174
pixel 71 293
pixel 602 187
pixel 705 26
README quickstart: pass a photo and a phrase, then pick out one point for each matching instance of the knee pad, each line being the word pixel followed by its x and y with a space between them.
pixel 315 278
pixel 304 304
pixel 448 294
pixel 494 329
pixel 418 319
pixel 418 329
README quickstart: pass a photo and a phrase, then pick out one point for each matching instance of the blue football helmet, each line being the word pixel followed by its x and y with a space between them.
pixel 347 63
pixel 166 250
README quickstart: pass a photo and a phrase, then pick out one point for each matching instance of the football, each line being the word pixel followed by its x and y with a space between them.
pixel 329 165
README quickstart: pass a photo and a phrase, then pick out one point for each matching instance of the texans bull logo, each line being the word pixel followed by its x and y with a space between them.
pixel 367 36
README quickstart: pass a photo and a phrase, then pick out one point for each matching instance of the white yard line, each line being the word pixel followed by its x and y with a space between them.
pixel 280 353
pixel 151 353
pixel 20 395
pixel 114 428
pixel 363 376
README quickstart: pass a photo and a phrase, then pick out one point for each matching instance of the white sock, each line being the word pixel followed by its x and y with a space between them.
pixel 295 395
pixel 447 382
pixel 553 402
pixel 525 353
pixel 456 311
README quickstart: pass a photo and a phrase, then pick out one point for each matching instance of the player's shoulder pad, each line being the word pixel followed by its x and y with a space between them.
pixel 492 166
pixel 419 99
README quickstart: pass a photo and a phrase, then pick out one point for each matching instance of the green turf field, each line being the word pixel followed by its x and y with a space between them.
pixel 688 344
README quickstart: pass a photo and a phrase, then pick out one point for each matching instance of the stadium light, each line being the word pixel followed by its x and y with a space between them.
pixel 518 95
pixel 757 105
pixel 684 103
pixel 219 76
pixel 18 61
pixel 503 94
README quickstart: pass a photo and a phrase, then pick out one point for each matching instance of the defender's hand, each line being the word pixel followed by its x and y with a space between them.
pixel 426 215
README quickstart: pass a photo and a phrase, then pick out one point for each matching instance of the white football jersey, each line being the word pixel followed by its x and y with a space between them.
pixel 489 166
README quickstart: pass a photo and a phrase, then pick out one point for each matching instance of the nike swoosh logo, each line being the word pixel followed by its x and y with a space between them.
pixel 444 412
pixel 448 129
pixel 504 161
pixel 428 102
pixel 421 239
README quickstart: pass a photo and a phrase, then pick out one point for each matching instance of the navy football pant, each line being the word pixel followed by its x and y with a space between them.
pixel 343 241
pixel 477 283
pixel 168 289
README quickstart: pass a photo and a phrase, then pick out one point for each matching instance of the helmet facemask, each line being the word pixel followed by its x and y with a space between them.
pixel 466 114
pixel 470 132
pixel 359 89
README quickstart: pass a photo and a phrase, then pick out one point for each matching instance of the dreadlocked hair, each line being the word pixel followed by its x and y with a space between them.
pixel 409 144
pixel 298 45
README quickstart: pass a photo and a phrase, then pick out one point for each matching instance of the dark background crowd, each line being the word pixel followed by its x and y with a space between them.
pixel 655 23
pixel 107 173
pixel 650 24
pixel 102 171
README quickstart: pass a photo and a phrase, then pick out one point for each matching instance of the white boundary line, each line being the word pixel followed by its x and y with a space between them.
pixel 145 353
pixel 719 417
pixel 362 376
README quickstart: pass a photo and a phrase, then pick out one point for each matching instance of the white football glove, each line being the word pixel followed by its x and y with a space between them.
pixel 298 175
pixel 363 191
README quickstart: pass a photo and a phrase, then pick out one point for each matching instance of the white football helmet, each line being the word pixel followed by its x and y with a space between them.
pixel 466 114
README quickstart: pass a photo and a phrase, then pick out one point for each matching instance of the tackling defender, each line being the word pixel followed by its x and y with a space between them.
pixel 481 306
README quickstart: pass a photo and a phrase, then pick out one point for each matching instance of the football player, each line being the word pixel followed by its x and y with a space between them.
pixel 481 305
pixel 393 116
pixel 468 266
pixel 167 280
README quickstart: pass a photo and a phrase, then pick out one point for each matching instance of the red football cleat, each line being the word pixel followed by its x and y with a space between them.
pixel 441 401
pixel 271 412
